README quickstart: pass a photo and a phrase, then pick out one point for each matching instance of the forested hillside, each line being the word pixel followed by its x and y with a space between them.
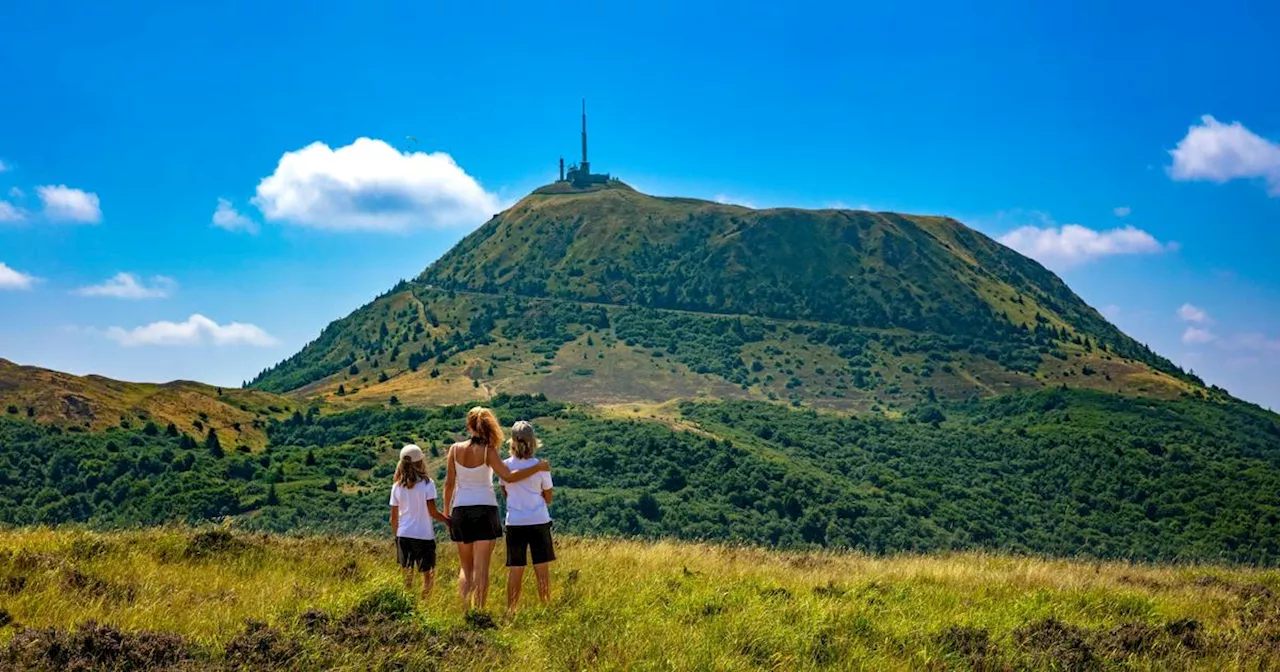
pixel 1059 472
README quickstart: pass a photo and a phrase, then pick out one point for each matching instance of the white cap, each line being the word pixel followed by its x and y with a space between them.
pixel 412 452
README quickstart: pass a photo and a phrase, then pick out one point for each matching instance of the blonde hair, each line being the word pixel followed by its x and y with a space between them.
pixel 484 427
pixel 523 441
pixel 409 473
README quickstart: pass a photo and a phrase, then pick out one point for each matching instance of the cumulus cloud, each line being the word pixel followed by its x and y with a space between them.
pixel 1073 244
pixel 12 279
pixel 15 192
pixel 11 213
pixel 1196 336
pixel 3 167
pixel 227 217
pixel 369 185
pixel 197 330
pixel 1190 313
pixel 725 199
pixel 129 286
pixel 62 203
pixel 1123 211
pixel 1218 152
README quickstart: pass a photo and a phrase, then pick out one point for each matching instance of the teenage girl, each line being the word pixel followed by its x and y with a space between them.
pixel 528 520
pixel 471 504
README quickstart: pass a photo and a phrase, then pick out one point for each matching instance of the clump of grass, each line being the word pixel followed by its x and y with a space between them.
pixel 267 602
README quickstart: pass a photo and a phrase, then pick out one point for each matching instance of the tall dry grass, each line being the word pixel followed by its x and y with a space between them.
pixel 639 605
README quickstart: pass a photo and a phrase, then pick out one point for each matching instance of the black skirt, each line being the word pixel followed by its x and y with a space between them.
pixel 469 524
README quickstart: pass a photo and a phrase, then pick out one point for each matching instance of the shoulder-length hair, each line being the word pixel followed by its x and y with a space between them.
pixel 409 473
pixel 523 441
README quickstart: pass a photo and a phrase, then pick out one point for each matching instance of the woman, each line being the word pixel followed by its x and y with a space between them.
pixel 528 520
pixel 472 505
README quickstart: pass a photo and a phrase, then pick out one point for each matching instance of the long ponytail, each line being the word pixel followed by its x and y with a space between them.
pixel 484 427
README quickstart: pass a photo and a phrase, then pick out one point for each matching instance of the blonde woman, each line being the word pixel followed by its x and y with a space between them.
pixel 413 506
pixel 528 520
pixel 472 505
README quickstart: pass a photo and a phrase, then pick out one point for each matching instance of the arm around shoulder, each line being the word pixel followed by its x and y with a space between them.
pixel 500 468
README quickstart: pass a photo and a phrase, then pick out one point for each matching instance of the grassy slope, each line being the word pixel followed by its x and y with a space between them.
pixel 96 403
pixel 973 313
pixel 621 365
pixel 872 269
pixel 624 605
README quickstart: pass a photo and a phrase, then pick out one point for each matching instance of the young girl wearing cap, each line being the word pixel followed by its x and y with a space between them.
pixel 472 505
pixel 413 506
pixel 528 520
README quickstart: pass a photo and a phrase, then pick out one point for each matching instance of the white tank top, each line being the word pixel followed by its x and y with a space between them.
pixel 475 486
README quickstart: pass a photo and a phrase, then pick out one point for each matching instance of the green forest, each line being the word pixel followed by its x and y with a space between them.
pixel 1061 472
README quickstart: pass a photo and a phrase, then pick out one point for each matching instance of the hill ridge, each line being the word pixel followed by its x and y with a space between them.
pixel 995 318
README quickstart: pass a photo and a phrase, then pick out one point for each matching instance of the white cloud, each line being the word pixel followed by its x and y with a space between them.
pixel 128 286
pixel 1196 335
pixel 1112 311
pixel 1219 152
pixel 62 203
pixel 369 185
pixel 725 199
pixel 12 279
pixel 1123 211
pixel 1072 244
pixel 227 217
pixel 3 167
pixel 197 330
pixel 1190 313
pixel 15 192
pixel 11 213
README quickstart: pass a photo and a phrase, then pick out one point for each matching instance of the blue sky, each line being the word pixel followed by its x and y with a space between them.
pixel 1133 149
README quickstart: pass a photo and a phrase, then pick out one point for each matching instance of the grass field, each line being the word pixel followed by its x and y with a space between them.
pixel 183 599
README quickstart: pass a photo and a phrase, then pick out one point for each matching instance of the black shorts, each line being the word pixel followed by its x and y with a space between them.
pixel 469 524
pixel 535 538
pixel 417 553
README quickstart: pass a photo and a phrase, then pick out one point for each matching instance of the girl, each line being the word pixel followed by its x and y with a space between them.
pixel 528 521
pixel 413 505
pixel 472 506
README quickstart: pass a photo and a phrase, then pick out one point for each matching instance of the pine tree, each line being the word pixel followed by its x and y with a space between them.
pixel 212 444
pixel 272 498
pixel 171 431
pixel 311 458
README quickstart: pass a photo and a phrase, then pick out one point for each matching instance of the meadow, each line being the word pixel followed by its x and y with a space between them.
pixel 210 598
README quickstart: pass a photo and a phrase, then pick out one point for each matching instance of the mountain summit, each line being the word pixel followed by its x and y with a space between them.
pixel 602 293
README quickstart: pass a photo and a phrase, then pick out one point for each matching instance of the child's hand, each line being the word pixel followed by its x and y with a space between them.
pixel 544 465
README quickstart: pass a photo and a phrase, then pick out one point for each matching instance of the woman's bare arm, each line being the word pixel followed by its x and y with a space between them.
pixel 509 476
pixel 546 495
pixel 395 520
pixel 450 482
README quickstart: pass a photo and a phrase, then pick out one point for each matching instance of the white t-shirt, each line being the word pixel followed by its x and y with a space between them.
pixel 525 505
pixel 415 521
